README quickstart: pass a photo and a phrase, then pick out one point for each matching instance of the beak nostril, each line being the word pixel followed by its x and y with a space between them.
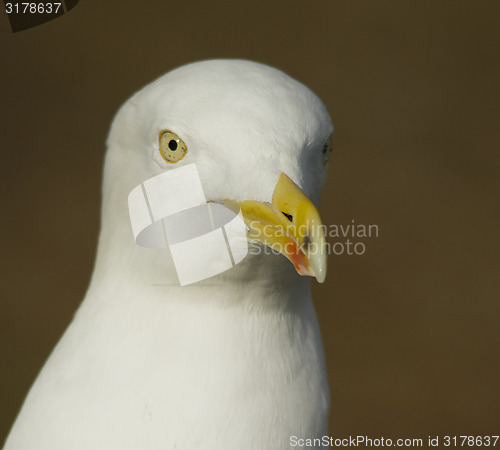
pixel 288 216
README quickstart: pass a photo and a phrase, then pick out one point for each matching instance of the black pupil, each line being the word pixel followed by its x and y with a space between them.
pixel 172 145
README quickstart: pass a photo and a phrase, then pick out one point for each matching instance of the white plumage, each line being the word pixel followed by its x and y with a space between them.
pixel 233 362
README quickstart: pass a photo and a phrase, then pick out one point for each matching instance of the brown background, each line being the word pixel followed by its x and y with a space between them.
pixel 411 328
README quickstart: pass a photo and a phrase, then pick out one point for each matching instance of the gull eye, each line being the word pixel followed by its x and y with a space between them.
pixel 327 150
pixel 172 147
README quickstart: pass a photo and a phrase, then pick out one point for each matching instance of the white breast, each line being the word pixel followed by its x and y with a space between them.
pixel 149 373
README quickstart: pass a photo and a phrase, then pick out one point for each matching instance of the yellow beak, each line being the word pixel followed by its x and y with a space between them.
pixel 290 225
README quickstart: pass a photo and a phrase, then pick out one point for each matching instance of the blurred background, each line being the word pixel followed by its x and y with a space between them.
pixel 411 327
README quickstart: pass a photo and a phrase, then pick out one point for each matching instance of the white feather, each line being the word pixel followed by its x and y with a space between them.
pixel 234 362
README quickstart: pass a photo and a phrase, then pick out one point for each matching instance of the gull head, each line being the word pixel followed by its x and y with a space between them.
pixel 260 141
